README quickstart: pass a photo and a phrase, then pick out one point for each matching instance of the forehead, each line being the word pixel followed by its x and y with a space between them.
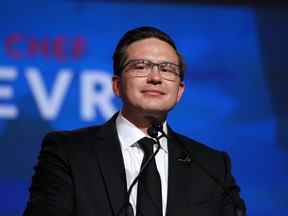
pixel 152 49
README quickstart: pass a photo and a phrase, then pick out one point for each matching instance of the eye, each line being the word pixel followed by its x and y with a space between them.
pixel 139 66
pixel 166 68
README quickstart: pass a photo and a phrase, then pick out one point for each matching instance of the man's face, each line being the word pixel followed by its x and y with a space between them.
pixel 151 94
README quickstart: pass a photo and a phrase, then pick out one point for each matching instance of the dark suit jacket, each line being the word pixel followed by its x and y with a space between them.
pixel 82 173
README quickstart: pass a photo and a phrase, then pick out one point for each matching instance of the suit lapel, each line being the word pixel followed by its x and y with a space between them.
pixel 178 181
pixel 112 165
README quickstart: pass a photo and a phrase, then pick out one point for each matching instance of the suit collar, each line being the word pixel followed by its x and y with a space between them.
pixel 112 164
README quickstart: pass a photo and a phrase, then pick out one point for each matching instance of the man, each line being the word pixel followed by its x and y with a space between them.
pixel 89 171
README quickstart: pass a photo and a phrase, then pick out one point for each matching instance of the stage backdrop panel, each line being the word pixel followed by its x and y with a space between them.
pixel 55 74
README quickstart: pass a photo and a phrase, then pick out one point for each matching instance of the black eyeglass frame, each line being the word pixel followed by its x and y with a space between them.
pixel 151 66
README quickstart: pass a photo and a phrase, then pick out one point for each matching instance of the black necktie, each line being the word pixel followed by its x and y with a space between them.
pixel 149 195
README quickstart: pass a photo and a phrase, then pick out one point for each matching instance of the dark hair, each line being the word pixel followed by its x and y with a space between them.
pixel 144 32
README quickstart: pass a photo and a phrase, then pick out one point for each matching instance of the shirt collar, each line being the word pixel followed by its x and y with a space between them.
pixel 129 134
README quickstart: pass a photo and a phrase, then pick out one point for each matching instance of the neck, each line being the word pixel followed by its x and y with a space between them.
pixel 143 120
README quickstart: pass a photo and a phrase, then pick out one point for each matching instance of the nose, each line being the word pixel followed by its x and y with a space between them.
pixel 154 75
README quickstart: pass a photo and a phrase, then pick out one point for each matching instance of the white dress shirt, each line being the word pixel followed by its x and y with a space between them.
pixel 129 134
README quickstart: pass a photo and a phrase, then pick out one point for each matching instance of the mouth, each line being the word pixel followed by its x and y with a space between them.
pixel 153 92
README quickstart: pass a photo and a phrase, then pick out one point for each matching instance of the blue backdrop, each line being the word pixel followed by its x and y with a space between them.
pixel 55 72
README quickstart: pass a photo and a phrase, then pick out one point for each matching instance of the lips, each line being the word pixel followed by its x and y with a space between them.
pixel 152 92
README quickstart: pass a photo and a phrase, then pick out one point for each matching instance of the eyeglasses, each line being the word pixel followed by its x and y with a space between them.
pixel 142 67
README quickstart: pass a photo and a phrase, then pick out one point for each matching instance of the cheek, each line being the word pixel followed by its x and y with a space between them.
pixel 175 95
pixel 129 89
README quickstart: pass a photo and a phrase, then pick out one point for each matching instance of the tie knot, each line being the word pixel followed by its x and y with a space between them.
pixel 146 145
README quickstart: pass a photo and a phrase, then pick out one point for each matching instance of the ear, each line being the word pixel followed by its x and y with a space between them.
pixel 181 89
pixel 116 85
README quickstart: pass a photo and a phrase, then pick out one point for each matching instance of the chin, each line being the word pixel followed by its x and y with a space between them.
pixel 154 111
pixel 156 106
